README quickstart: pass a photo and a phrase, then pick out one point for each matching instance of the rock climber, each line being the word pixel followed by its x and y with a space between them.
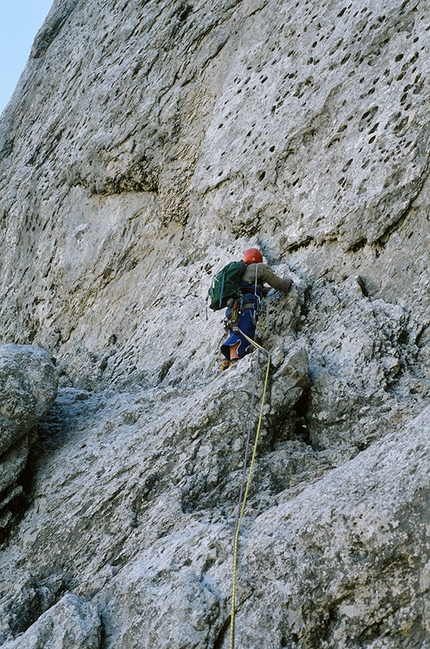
pixel 242 313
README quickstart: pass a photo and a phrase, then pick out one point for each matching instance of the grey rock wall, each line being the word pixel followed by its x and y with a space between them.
pixel 146 145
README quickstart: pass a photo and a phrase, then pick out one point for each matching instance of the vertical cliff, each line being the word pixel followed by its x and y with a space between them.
pixel 147 144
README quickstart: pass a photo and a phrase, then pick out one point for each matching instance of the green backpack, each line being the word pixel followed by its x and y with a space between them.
pixel 226 284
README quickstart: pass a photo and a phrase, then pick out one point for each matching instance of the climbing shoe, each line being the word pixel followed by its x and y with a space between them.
pixel 228 363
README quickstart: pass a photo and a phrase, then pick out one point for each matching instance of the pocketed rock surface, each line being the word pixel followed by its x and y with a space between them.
pixel 146 145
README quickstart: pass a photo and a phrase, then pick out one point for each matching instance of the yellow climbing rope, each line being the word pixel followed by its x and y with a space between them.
pixel 243 503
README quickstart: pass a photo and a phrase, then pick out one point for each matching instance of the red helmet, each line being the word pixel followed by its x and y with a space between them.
pixel 252 255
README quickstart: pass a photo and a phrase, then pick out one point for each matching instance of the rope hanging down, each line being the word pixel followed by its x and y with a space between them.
pixel 242 501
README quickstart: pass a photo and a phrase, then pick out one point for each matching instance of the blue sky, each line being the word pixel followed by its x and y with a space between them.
pixel 20 20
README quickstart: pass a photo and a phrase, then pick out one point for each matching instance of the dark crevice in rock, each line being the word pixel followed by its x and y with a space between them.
pixel 301 422
pixel 357 245
pixel 165 369
pixel 297 245
pixel 14 504
pixel 146 493
pixel 183 12
pixel 17 499
pixel 41 155
pixel 329 620
pixel 35 598
pixel 217 51
pixel 104 637
pixel 363 287
pixel 7 148
pixel 300 321
pixel 219 640
pixel 248 229
pixel 280 429
pixel 259 9
pixel 418 339
pixel 137 179
pixel 382 240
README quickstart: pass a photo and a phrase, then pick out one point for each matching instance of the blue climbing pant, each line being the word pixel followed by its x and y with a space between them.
pixel 246 323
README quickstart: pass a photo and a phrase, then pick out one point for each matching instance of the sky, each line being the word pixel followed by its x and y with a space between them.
pixel 20 20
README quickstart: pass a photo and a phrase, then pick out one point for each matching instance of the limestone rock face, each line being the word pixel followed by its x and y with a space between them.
pixel 147 144
pixel 28 386
pixel 341 553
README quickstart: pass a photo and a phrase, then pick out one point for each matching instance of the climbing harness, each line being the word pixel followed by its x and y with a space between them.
pixel 244 492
